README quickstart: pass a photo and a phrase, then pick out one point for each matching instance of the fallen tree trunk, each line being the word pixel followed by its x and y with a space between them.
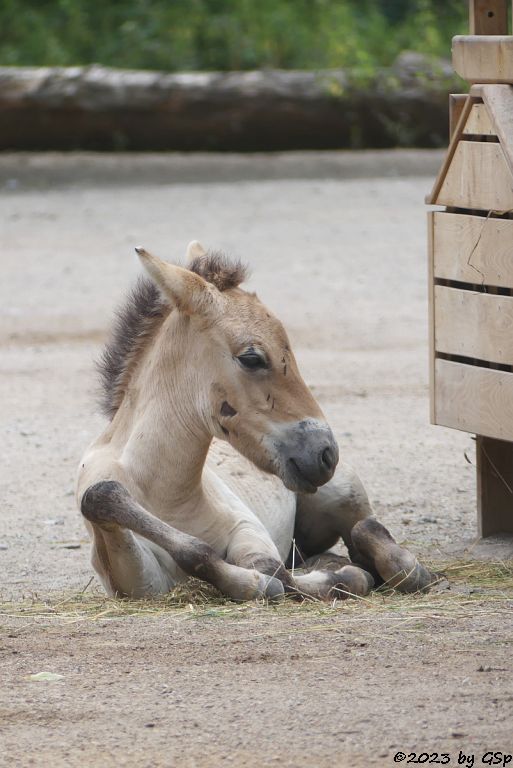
pixel 98 108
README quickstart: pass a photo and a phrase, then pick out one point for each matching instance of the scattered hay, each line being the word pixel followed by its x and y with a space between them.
pixel 474 587
pixel 479 574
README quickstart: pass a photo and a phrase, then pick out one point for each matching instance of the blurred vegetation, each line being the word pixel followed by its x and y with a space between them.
pixel 225 34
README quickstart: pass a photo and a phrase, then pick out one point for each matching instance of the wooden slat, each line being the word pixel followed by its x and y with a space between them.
pixel 473 249
pixel 474 399
pixel 499 103
pixel 483 58
pixel 478 122
pixel 488 17
pixel 431 311
pixel 474 325
pixel 456 104
pixel 478 177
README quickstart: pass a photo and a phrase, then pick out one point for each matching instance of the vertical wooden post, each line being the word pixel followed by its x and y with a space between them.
pixel 488 17
pixel 431 310
pixel 494 459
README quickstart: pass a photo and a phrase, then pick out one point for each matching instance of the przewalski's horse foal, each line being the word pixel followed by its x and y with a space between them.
pixel 216 455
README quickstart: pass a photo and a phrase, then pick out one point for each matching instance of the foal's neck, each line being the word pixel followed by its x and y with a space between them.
pixel 167 440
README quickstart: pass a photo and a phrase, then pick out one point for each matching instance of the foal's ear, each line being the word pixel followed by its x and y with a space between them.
pixel 186 290
pixel 194 250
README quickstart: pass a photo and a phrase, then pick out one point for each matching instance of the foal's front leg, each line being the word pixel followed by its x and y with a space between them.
pixel 341 509
pixel 109 505
pixel 397 566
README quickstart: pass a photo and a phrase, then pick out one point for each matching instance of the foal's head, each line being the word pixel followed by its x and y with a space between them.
pixel 250 390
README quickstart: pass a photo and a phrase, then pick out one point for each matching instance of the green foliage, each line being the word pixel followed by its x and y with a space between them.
pixel 225 34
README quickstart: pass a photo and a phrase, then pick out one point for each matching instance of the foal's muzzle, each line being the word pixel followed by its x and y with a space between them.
pixel 308 455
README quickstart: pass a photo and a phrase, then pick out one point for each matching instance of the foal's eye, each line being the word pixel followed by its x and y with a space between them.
pixel 252 361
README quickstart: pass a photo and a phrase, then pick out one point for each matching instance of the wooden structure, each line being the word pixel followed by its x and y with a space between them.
pixel 471 263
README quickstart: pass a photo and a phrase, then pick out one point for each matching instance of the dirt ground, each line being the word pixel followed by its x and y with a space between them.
pixel 336 243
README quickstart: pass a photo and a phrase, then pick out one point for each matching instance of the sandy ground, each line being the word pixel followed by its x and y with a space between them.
pixel 337 246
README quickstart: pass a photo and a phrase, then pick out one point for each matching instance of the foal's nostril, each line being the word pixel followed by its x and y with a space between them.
pixel 328 458
pixel 227 410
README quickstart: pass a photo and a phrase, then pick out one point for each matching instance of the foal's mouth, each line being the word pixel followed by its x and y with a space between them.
pixel 301 483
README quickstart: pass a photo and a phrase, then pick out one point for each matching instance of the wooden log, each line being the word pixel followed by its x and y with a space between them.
pixel 473 249
pixel 477 178
pixel 488 17
pixel 483 59
pixel 478 122
pixel 494 461
pixel 475 325
pixel 473 399
pixel 99 108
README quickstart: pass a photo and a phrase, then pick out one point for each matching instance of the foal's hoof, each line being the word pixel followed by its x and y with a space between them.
pixel 353 581
pixel 397 567
pixel 402 571
pixel 270 588
pixel 243 584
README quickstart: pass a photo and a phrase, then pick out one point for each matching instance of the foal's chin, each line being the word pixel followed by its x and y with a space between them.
pixel 286 470
pixel 298 484
pixel 289 472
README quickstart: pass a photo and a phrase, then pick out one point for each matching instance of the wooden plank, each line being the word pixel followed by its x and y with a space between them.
pixel 494 460
pixel 488 17
pixel 456 104
pixel 473 249
pixel 483 58
pixel 499 103
pixel 478 177
pixel 474 324
pixel 431 312
pixel 478 122
pixel 473 399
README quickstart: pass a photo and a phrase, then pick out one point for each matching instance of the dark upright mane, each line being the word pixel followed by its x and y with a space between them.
pixel 140 316
pixel 135 322
pixel 215 267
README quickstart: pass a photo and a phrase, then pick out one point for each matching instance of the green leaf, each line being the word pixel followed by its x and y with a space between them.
pixel 45 676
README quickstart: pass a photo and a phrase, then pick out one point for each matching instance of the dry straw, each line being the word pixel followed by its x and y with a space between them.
pixel 469 588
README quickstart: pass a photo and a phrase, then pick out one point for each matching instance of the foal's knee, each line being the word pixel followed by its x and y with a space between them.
pixel 101 501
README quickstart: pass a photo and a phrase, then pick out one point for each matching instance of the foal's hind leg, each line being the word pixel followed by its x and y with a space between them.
pixel 341 509
pixel 252 548
pixel 110 507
